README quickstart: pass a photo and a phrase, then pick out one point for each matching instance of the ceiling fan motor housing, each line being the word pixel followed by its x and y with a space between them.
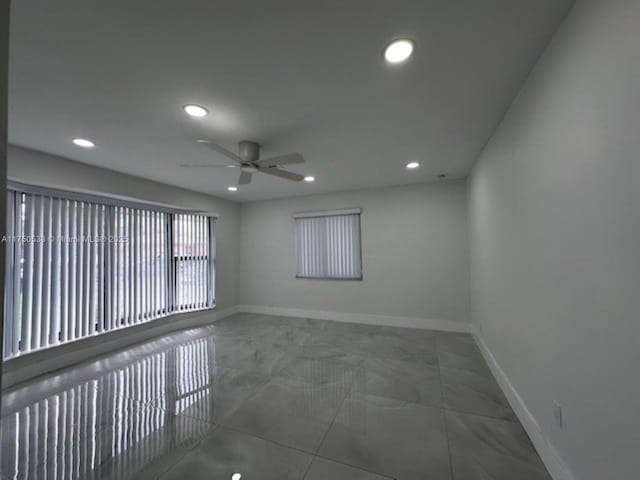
pixel 249 151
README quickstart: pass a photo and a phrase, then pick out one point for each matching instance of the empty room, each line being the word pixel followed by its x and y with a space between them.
pixel 320 240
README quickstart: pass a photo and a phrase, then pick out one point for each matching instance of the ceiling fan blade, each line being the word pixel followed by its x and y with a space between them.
pixel 289 159
pixel 222 150
pixel 245 178
pixel 276 172
pixel 205 165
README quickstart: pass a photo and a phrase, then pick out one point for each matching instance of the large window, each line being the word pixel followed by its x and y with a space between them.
pixel 328 245
pixel 79 265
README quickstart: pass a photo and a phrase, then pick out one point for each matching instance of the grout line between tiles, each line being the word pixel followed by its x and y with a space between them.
pixel 353 466
pixel 348 392
pixel 444 415
pixel 316 455
pixel 267 440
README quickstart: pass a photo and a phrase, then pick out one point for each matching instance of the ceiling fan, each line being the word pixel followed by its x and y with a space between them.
pixel 248 161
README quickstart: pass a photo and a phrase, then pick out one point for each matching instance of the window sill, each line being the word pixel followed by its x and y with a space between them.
pixel 23 367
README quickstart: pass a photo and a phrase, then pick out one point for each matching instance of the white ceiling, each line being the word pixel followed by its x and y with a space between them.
pixel 294 75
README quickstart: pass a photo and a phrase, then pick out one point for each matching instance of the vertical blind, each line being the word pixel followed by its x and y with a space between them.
pixel 191 258
pixel 328 245
pixel 137 267
pixel 77 268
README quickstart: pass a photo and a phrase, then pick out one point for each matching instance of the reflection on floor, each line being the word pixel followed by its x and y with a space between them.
pixel 272 398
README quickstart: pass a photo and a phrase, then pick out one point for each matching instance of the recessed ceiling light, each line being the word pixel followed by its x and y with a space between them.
pixel 83 142
pixel 195 110
pixel 412 165
pixel 236 476
pixel 232 189
pixel 398 51
pixel 309 179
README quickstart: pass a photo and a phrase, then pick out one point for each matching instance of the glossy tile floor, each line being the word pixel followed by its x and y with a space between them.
pixel 272 398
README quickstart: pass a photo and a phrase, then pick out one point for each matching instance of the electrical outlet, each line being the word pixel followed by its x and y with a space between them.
pixel 557 415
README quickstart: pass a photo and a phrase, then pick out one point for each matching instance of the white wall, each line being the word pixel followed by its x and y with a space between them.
pixel 555 240
pixel 414 252
pixel 44 169
pixel 4 64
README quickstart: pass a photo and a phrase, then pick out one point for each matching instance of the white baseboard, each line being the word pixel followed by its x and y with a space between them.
pixel 556 466
pixel 370 319
pixel 30 365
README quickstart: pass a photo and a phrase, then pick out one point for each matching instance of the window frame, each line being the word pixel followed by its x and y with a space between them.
pixel 105 255
pixel 357 211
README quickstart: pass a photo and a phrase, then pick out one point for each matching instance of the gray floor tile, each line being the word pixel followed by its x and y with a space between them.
pixel 340 375
pixel 485 448
pixel 308 324
pixel 292 335
pixel 240 324
pixel 407 381
pixel 226 452
pixel 373 344
pixel 383 346
pixel 248 355
pixel 320 349
pixel 229 398
pixel 469 392
pixel 398 439
pixel 222 397
pixel 464 360
pixel 322 469
pixel 346 328
pixel 289 412
pixel 457 343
